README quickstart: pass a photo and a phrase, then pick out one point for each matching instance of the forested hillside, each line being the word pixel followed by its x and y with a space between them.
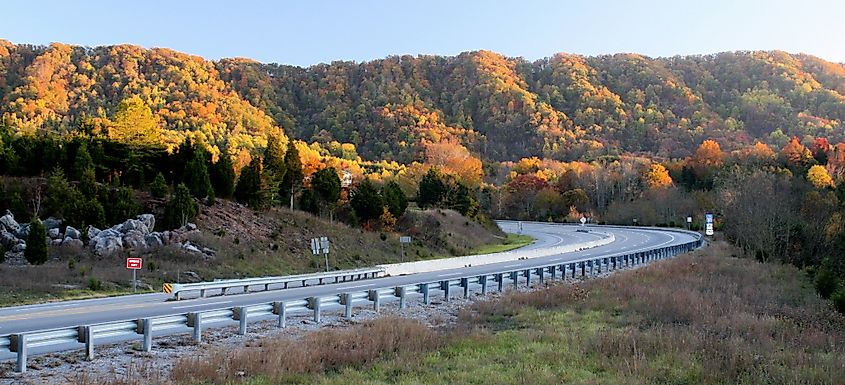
pixel 564 107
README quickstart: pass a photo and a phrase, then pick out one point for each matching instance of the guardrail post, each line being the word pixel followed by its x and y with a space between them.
pixel 281 311
pixel 19 346
pixel 147 328
pixel 553 271
pixel 465 286
pixel 500 281
pixel 515 279
pixel 402 292
pixel 597 264
pixel 240 315
pixel 374 296
pixel 347 305
pixel 527 277
pixel 541 271
pixel 482 279
pixel 316 305
pixel 583 268
pixel 444 285
pixel 89 343
pixel 195 322
pixel 424 290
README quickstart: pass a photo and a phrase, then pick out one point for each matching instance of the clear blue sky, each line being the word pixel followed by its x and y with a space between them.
pixel 310 31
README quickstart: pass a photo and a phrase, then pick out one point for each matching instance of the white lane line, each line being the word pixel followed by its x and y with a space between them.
pixel 509 266
pixel 449 275
pixel 357 287
pixel 202 304
pixel 555 259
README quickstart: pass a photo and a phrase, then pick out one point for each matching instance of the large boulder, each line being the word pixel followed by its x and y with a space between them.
pixel 92 232
pixel 7 239
pixel 134 225
pixel 52 223
pixel 149 220
pixel 134 239
pixel 68 241
pixel 153 239
pixel 23 231
pixel 54 233
pixel 8 221
pixel 107 242
pixel 72 233
pixel 19 247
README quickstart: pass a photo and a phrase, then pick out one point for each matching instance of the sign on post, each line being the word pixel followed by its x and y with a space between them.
pixel 708 224
pixel 134 264
pixel 402 241
pixel 583 221
pixel 321 245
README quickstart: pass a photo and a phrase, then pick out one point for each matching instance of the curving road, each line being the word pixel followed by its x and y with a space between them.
pixel 72 313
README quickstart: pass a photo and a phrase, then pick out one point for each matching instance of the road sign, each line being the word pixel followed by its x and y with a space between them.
pixel 583 221
pixel 321 245
pixel 689 219
pixel 708 218
pixel 405 239
pixel 708 224
pixel 134 263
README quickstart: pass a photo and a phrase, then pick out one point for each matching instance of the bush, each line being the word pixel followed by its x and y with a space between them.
pixel 94 284
pixel 826 281
pixel 159 186
pixel 2 254
pixel 36 243
pixel 181 208
pixel 839 300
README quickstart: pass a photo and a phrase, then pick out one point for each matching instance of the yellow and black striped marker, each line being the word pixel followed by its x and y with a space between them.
pixel 168 288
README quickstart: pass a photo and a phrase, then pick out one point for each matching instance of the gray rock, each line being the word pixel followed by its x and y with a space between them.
pixel 132 225
pixel 56 242
pixel 23 231
pixel 8 221
pixel 52 223
pixel 190 227
pixel 149 220
pixel 209 252
pixel 92 232
pixel 153 240
pixel 191 248
pixel 72 242
pixel 7 239
pixel 134 239
pixel 107 245
pixel 72 233
pixel 54 233
pixel 19 247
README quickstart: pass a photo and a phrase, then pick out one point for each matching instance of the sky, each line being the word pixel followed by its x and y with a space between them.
pixel 311 31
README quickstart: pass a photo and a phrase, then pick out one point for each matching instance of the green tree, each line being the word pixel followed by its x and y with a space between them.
pixel 461 199
pixel 394 199
pixel 292 182
pixel 159 186
pixel 223 177
pixel 182 208
pixel 120 205
pixel 432 189
pixel 250 188
pixel 134 123
pixel 60 197
pixel 82 162
pixel 326 186
pixel 196 176
pixel 88 183
pixel 366 201
pixel 36 243
pixel 826 281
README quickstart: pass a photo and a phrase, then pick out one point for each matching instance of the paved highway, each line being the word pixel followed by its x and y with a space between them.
pixel 72 313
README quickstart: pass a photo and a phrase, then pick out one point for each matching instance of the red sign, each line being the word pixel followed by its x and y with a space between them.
pixel 134 263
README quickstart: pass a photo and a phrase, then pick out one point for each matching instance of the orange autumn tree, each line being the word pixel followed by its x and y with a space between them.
pixel 794 154
pixel 708 156
pixel 657 177
pixel 455 159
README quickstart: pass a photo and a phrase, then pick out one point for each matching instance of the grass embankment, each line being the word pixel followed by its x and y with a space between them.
pixel 697 319
pixel 513 241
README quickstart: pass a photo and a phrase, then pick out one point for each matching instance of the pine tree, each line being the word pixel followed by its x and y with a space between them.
pixel 197 178
pixel 182 208
pixel 326 186
pixel 36 243
pixel 223 176
pixel 394 199
pixel 274 167
pixel 366 201
pixel 88 183
pixel 432 189
pixel 159 186
pixel 292 182
pixel 250 188
pixel 82 162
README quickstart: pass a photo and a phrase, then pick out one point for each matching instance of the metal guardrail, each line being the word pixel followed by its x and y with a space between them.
pixel 222 287
pixel 144 328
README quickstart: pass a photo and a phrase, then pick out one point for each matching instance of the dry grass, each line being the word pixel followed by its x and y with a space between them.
pixel 324 351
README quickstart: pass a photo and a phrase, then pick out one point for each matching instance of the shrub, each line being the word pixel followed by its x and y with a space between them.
pixel 181 208
pixel 826 281
pixel 159 186
pixel 36 243
pixel 839 300
pixel 94 284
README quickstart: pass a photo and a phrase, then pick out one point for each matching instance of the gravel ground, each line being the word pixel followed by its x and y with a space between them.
pixel 126 360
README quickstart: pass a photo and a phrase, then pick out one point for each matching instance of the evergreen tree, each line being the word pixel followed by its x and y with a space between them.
pixel 88 183
pixel 196 176
pixel 326 186
pixel 59 199
pixel 36 243
pixel 120 205
pixel 366 201
pixel 432 189
pixel 394 199
pixel 250 188
pixel 82 162
pixel 461 199
pixel 158 188
pixel 292 182
pixel 223 176
pixel 274 167
pixel 182 208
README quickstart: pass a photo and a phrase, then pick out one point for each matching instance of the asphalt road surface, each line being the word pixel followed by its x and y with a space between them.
pixel 73 313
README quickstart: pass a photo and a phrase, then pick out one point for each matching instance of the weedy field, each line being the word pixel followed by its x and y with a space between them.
pixel 702 318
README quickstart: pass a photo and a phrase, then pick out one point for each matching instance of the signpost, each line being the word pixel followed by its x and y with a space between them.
pixel 402 241
pixel 689 223
pixel 134 264
pixel 708 224
pixel 583 221
pixel 319 245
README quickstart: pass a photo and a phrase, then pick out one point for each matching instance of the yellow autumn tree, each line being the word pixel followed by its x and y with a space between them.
pixel 658 177
pixel 818 176
pixel 135 124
